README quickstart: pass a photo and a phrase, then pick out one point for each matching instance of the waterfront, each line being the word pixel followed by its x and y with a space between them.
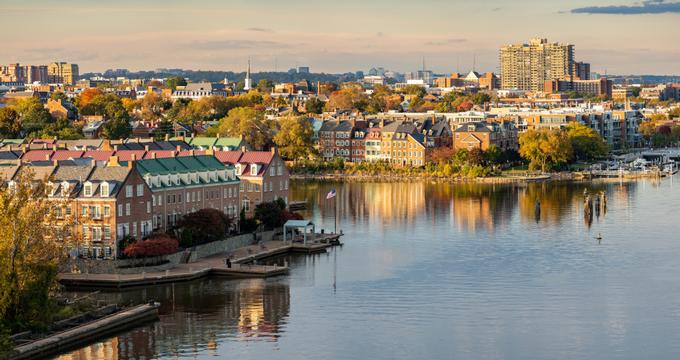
pixel 440 270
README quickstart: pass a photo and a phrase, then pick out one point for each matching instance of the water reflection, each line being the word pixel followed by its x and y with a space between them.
pixel 197 317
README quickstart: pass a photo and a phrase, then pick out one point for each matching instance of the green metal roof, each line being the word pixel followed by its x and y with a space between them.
pixel 228 141
pixel 202 141
pixel 12 141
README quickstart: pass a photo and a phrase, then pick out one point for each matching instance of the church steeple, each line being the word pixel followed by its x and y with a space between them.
pixel 248 83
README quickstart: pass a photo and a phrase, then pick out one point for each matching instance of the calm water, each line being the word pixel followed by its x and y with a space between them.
pixel 440 271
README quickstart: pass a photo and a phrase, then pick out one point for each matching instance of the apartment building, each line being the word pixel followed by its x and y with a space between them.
pixel 62 73
pixel 528 66
pixel 482 135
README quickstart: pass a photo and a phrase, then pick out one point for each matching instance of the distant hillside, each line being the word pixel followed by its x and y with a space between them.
pixel 215 76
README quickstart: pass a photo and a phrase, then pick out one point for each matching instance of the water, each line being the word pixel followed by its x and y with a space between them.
pixel 433 270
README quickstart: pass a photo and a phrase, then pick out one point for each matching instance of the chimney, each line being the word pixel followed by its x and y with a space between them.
pixel 153 155
pixel 273 150
pixel 146 148
pixel 115 147
pixel 55 162
pixel 167 137
pixel 113 161
pixel 133 157
pixel 54 147
pixel 44 146
pixel 434 119
pixel 178 148
pixel 191 152
pixel 47 157
pixel 131 164
pixel 218 135
pixel 210 152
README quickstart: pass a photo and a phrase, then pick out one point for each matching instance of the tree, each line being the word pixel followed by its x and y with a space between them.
pixel 152 106
pixel 10 124
pixel 314 106
pixel 265 85
pixel 480 98
pixel 347 98
pixel 118 128
pixel 30 250
pixel 270 214
pixel 204 226
pixel 59 95
pixel 86 97
pixel 248 122
pixel 586 143
pixel 174 81
pixel 33 115
pixel 545 148
pixel 294 137
pixel 163 128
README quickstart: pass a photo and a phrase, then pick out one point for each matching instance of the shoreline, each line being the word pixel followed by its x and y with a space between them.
pixel 450 179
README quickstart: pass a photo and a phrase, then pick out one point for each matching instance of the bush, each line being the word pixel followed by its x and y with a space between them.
pixel 270 214
pixel 155 245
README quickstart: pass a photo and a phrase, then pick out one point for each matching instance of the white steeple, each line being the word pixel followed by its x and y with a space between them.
pixel 248 83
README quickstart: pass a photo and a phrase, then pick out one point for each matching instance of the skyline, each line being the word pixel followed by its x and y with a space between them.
pixel 337 37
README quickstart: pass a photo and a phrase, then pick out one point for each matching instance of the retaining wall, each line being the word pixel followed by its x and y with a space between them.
pixel 91 266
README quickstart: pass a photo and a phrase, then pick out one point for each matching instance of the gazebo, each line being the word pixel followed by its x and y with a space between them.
pixel 297 224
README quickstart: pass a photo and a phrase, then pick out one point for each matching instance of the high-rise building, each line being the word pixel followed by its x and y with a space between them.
pixel 62 73
pixel 581 70
pixel 528 66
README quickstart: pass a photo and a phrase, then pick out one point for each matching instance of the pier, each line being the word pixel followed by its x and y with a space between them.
pixel 243 265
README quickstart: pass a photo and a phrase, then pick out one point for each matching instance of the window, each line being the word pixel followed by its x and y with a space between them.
pixel 96 233
pixel 120 209
pixel 148 207
pixel 107 211
pixel 253 169
pixel 87 191
pixel 286 185
pixel 188 197
pixel 104 189
pixel 246 205
pixel 272 171
pixel 95 211
pixel 169 199
pixel 134 229
pixel 84 211
pixel 127 209
pixel 107 232
pixel 68 210
pixel 86 231
pixel 160 200
pixel 153 200
pixel 128 191
pixel 140 189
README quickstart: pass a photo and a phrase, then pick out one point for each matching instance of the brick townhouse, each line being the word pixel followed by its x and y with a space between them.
pixel 264 176
pixel 185 184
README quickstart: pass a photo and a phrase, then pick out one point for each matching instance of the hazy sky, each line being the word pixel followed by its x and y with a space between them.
pixel 617 36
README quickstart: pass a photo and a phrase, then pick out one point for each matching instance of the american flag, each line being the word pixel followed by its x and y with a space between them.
pixel 331 194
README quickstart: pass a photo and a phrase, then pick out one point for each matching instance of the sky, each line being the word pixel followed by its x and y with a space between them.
pixel 615 36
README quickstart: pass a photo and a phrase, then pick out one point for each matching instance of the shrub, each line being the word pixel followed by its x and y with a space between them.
pixel 155 245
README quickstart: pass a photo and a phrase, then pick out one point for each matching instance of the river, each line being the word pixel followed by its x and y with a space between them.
pixel 440 270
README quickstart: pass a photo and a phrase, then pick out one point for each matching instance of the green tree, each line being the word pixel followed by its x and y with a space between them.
pixel 10 123
pixel 59 95
pixel 586 143
pixel 265 86
pixel 314 106
pixel 163 128
pixel 33 115
pixel 174 81
pixel 294 137
pixel 270 214
pixel 545 148
pixel 256 130
pixel 118 128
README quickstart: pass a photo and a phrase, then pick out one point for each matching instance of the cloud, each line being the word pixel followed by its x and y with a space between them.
pixel 258 29
pixel 445 42
pixel 234 44
pixel 647 7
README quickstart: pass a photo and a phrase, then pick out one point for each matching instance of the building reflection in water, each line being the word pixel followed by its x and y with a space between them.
pixel 197 317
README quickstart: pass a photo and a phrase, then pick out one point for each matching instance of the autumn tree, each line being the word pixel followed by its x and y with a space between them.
pixel 586 143
pixel 203 226
pixel 294 137
pixel 347 99
pixel 545 148
pixel 248 122
pixel 30 251
pixel 86 97
pixel 10 123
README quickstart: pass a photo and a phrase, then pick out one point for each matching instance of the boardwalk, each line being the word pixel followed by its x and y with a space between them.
pixel 241 259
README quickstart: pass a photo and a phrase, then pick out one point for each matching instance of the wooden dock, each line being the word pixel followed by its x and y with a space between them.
pixel 242 266
pixel 86 333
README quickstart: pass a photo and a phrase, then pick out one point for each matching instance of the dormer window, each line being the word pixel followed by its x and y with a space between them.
pixel 253 169
pixel 238 169
pixel 87 189
pixel 104 189
pixel 65 188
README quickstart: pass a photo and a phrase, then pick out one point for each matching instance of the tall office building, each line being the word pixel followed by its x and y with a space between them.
pixel 581 70
pixel 62 73
pixel 528 66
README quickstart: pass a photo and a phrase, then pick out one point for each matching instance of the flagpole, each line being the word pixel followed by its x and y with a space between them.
pixel 335 203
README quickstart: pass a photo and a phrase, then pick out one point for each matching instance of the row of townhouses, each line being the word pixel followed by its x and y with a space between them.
pixel 106 198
